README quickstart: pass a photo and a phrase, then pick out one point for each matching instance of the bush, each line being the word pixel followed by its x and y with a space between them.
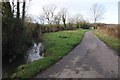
pixel 15 41
pixel 84 26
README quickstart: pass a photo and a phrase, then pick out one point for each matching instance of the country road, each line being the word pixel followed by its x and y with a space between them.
pixel 90 59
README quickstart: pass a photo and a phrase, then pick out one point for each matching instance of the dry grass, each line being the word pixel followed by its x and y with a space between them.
pixel 110 30
pixel 110 34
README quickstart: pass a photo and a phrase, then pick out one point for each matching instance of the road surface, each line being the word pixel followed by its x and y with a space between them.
pixel 90 59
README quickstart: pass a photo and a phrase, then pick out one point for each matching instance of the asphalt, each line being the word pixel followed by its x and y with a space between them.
pixel 90 59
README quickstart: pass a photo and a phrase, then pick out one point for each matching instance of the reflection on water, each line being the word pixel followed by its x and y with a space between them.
pixel 34 53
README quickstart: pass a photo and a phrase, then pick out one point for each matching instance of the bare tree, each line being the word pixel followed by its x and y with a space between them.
pixel 75 19
pixel 97 12
pixel 71 19
pixel 48 11
pixel 57 18
pixel 18 9
pixel 23 11
pixel 63 13
pixel 78 18
pixel 41 19
pixel 13 7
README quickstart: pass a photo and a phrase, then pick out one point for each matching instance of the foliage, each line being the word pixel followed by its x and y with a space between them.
pixel 84 25
pixel 37 33
pixel 15 40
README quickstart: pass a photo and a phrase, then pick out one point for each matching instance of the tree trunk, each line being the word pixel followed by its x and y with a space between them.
pixel 95 23
pixel 18 9
pixel 13 5
pixel 64 23
pixel 23 12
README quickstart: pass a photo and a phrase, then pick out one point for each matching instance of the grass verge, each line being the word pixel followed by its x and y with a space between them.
pixel 57 45
pixel 110 41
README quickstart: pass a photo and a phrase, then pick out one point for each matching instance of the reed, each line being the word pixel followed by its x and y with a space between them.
pixel 112 30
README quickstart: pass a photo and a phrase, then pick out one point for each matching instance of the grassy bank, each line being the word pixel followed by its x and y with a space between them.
pixel 57 45
pixel 110 41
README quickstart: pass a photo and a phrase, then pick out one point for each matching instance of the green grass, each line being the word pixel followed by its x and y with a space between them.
pixel 57 45
pixel 110 41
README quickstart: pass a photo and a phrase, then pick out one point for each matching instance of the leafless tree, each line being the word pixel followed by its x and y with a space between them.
pixel 63 13
pixel 49 11
pixel 71 19
pixel 18 9
pixel 97 12
pixel 75 19
pixel 41 19
pixel 78 18
pixel 57 18
pixel 13 7
pixel 23 11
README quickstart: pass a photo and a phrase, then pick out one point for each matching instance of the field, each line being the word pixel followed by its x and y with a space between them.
pixel 110 35
pixel 57 45
pixel 110 29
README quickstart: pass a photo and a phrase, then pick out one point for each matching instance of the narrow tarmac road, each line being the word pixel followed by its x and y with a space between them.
pixel 90 59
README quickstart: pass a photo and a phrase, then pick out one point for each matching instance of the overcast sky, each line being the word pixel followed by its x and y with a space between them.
pixel 79 6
